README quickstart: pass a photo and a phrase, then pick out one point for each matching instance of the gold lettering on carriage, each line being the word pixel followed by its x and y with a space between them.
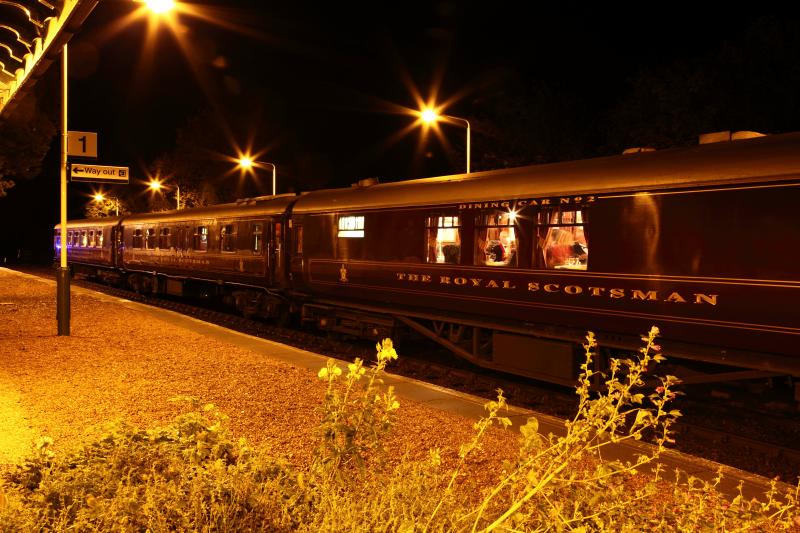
pixel 671 296
pixel 525 202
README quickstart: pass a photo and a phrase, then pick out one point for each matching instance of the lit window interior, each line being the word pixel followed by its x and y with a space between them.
pixel 496 242
pixel 444 240
pixel 564 245
pixel 351 226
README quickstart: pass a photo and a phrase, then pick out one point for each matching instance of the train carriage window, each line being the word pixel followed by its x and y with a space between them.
pixel 496 239
pixel 351 226
pixel 165 239
pixel 137 239
pixel 257 241
pixel 298 239
pixel 562 239
pixel 91 241
pixel 200 238
pixel 99 237
pixel 152 239
pixel 84 239
pixel 227 238
pixel 57 240
pixel 443 239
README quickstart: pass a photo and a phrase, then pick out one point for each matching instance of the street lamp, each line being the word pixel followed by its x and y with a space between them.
pixel 246 163
pixel 100 198
pixel 429 116
pixel 156 185
pixel 158 7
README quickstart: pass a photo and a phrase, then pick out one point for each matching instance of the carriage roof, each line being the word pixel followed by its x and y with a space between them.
pixel 761 159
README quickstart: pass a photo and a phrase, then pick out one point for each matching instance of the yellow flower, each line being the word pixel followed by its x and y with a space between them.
pixel 386 350
pixel 323 373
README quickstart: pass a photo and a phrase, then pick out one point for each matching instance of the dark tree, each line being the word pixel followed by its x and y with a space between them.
pixel 25 138
pixel 747 84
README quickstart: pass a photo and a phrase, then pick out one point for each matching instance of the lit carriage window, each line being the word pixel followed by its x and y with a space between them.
pixel 90 240
pixel 496 239
pixel 257 243
pixel 227 238
pixel 443 239
pixel 137 238
pixel 351 226
pixel 58 239
pixel 84 239
pixel 152 240
pixel 165 239
pixel 99 236
pixel 200 238
pixel 562 239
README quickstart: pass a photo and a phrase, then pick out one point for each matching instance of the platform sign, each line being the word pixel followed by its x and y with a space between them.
pixel 82 143
pixel 98 173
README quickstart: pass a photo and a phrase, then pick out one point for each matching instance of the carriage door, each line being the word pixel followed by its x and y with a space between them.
pixel 277 266
pixel 116 246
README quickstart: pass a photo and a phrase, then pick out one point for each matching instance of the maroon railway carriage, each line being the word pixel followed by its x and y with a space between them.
pixel 235 248
pixel 510 268
pixel 90 243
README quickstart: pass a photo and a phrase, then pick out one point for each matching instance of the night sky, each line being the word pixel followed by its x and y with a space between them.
pixel 318 85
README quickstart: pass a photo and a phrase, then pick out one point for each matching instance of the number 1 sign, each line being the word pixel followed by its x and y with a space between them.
pixel 82 144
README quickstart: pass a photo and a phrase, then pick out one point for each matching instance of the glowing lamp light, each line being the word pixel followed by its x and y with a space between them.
pixel 99 197
pixel 512 216
pixel 246 162
pixel 429 116
pixel 159 6
pixel 155 185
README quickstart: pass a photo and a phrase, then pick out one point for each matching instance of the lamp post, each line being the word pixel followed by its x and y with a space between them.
pixel 429 116
pixel 156 185
pixel 246 163
pixel 62 277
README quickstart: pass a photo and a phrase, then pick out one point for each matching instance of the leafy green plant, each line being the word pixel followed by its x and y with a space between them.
pixel 188 475
pixel 355 415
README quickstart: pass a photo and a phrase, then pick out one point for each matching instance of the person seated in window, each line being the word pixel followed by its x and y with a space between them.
pixel 580 251
pixel 450 253
pixel 500 251
pixel 509 245
pixel 494 252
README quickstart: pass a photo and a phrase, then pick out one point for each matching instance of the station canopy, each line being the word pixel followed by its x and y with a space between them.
pixel 32 33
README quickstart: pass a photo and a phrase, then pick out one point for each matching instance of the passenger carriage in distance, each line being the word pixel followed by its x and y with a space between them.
pixel 90 245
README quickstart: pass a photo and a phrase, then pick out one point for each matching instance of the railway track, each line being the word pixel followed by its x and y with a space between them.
pixel 697 433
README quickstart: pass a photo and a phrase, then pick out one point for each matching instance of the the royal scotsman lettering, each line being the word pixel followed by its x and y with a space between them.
pixel 592 291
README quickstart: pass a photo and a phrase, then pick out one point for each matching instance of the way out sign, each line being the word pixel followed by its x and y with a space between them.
pixel 98 173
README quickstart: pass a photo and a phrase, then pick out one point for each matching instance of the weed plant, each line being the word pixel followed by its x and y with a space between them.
pixel 192 475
